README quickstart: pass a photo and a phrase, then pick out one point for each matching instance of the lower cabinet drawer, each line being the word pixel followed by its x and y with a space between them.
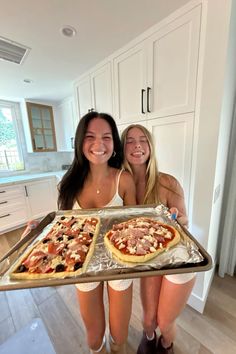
pixel 10 219
pixel 8 193
pixel 12 204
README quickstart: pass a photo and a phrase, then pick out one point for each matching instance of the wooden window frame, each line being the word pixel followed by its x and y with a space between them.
pixel 29 106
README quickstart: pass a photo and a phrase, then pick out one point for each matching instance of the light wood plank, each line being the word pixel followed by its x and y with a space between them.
pixel 68 295
pixel 65 333
pixel 210 336
pixel 22 306
pixel 185 343
pixel 7 329
pixel 217 313
pixel 4 308
pixel 42 294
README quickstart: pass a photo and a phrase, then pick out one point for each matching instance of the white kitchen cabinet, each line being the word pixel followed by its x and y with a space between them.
pixel 13 209
pixel 122 127
pixel 24 201
pixel 94 91
pixel 130 82
pixel 65 124
pixel 158 76
pixel 172 66
pixel 41 197
pixel 173 138
pixel 84 95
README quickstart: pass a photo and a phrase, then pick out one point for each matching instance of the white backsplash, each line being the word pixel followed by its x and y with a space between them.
pixel 47 161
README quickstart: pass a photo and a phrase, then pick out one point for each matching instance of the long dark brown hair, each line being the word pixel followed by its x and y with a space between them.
pixel 73 181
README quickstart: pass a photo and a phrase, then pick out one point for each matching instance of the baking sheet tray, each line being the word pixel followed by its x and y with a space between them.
pixel 188 256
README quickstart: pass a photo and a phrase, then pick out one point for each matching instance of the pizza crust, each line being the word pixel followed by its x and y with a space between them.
pixel 58 275
pixel 128 258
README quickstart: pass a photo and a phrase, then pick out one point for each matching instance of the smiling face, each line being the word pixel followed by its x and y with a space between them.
pixel 137 150
pixel 98 143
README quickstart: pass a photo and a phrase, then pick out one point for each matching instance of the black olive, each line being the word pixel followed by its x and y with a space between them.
pixel 60 238
pixel 90 234
pixel 45 258
pixel 77 265
pixel 22 268
pixel 45 240
pixel 60 268
pixel 71 237
pixel 63 218
pixel 73 223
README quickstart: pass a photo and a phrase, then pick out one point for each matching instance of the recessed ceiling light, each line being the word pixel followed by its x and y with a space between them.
pixel 28 81
pixel 68 31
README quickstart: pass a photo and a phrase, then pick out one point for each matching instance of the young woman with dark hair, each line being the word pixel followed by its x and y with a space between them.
pixel 96 180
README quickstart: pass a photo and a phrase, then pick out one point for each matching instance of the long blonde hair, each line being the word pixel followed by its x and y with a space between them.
pixel 152 174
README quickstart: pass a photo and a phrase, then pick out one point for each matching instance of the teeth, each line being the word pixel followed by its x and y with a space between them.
pixel 98 152
pixel 137 153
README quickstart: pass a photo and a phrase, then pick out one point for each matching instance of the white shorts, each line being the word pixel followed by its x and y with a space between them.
pixel 180 278
pixel 118 285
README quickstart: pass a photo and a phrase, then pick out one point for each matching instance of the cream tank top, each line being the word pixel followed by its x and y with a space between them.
pixel 115 201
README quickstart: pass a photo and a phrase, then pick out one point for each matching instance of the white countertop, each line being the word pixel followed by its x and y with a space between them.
pixel 4 181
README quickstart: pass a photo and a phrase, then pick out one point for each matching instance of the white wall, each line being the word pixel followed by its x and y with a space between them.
pixel 212 129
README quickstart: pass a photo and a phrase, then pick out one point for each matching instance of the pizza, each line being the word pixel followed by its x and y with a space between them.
pixel 64 251
pixel 140 239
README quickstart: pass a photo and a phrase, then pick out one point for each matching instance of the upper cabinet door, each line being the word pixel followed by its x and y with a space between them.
pixel 158 77
pixel 65 124
pixel 84 95
pixel 173 138
pixel 94 91
pixel 130 85
pixel 172 65
pixel 41 127
pixel 102 89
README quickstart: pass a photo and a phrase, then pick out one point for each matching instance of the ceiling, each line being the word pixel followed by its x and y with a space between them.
pixel 54 61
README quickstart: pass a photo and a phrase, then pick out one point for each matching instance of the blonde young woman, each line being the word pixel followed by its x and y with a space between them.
pixel 163 297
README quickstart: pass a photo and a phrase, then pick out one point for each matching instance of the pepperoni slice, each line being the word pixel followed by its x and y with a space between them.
pixel 34 258
pixel 55 248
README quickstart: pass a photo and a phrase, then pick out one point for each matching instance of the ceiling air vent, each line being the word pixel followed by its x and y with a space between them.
pixel 12 51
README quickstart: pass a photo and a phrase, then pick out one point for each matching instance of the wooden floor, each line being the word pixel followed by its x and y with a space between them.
pixel 213 332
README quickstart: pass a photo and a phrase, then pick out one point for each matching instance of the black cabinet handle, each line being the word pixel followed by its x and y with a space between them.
pixel 72 143
pixel 26 192
pixel 5 202
pixel 2 191
pixel 148 99
pixel 142 92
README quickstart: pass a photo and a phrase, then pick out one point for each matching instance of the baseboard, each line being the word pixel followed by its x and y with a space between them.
pixel 198 303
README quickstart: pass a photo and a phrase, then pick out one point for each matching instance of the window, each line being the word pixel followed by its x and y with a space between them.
pixel 11 158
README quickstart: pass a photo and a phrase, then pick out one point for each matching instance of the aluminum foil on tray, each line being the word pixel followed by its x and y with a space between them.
pixel 102 265
pixel 103 262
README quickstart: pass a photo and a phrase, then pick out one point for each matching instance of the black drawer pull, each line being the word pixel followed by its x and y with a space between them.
pixel 142 92
pixel 2 191
pixel 4 216
pixel 5 202
pixel 148 99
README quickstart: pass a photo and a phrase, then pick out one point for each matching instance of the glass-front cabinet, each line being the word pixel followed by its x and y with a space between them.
pixel 41 127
